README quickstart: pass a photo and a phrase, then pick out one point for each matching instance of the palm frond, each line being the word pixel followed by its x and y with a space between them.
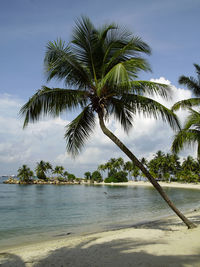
pixel 79 130
pixel 52 102
pixel 191 83
pixel 124 52
pixel 61 63
pixel 122 74
pixel 85 45
pixel 103 32
pixel 197 67
pixel 122 112
pixel 151 88
pixel 187 103
pixel 151 108
pixel 193 120
pixel 185 138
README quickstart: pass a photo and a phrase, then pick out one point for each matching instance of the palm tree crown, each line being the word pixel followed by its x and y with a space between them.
pixel 102 65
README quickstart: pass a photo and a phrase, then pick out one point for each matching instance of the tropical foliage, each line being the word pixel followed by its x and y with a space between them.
pixel 88 175
pixel 25 174
pixel 189 135
pixel 163 167
pixel 42 168
pixel 192 84
pixel 117 177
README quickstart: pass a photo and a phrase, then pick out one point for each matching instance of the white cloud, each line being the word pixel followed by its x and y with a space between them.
pixel 44 140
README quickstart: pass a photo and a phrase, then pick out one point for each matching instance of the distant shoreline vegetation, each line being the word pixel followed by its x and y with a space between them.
pixel 163 167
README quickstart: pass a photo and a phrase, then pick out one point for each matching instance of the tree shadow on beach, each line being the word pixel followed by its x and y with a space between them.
pixel 11 260
pixel 95 252
pixel 116 253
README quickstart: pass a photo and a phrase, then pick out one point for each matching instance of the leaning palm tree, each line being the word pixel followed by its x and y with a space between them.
pixel 189 135
pixel 100 70
pixel 193 85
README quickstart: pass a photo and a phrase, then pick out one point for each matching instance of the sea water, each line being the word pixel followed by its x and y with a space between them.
pixel 30 213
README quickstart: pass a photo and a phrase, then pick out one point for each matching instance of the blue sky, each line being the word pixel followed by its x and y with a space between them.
pixel 169 27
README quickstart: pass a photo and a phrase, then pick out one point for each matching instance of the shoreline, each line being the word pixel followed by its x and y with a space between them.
pixel 146 244
pixel 129 183
pixel 162 184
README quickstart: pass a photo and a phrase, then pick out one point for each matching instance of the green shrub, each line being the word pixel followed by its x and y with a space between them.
pixel 118 177
pixel 110 179
pixel 96 176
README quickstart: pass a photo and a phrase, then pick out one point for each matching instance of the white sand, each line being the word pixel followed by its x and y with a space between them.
pixel 163 184
pixel 162 243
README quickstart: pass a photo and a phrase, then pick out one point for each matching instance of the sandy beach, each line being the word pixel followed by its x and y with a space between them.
pixel 163 184
pixel 166 242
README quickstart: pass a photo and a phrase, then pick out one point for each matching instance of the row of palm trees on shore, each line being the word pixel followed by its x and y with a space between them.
pixel 163 167
pixel 100 67
pixel 44 171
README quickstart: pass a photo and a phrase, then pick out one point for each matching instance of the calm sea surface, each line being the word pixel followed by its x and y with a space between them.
pixel 30 213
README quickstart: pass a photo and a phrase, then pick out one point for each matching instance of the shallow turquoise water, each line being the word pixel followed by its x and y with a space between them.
pixel 30 213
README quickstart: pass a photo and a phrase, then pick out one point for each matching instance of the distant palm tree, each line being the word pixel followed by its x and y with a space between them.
pixel 128 166
pixel 119 164
pixel 189 164
pixel 49 167
pixel 189 135
pixel 58 170
pixel 65 174
pixel 192 84
pixel 144 161
pixel 101 168
pixel 41 169
pixel 103 65
pixel 88 175
pixel 24 174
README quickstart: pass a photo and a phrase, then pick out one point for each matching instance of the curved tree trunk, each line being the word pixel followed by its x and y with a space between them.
pixel 107 132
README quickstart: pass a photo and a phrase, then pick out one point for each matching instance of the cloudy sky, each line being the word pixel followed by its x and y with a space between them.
pixel 169 27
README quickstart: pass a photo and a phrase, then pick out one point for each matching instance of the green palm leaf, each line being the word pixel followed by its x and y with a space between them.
pixel 52 102
pixel 193 120
pixel 122 112
pixel 151 108
pixel 186 138
pixel 192 84
pixel 61 63
pixel 187 103
pixel 151 89
pixel 189 135
pixel 79 130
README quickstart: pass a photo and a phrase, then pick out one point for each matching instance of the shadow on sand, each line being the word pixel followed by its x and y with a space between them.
pixel 122 252
pixel 117 253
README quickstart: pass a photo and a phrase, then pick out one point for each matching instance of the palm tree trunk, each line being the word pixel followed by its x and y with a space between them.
pixel 107 132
